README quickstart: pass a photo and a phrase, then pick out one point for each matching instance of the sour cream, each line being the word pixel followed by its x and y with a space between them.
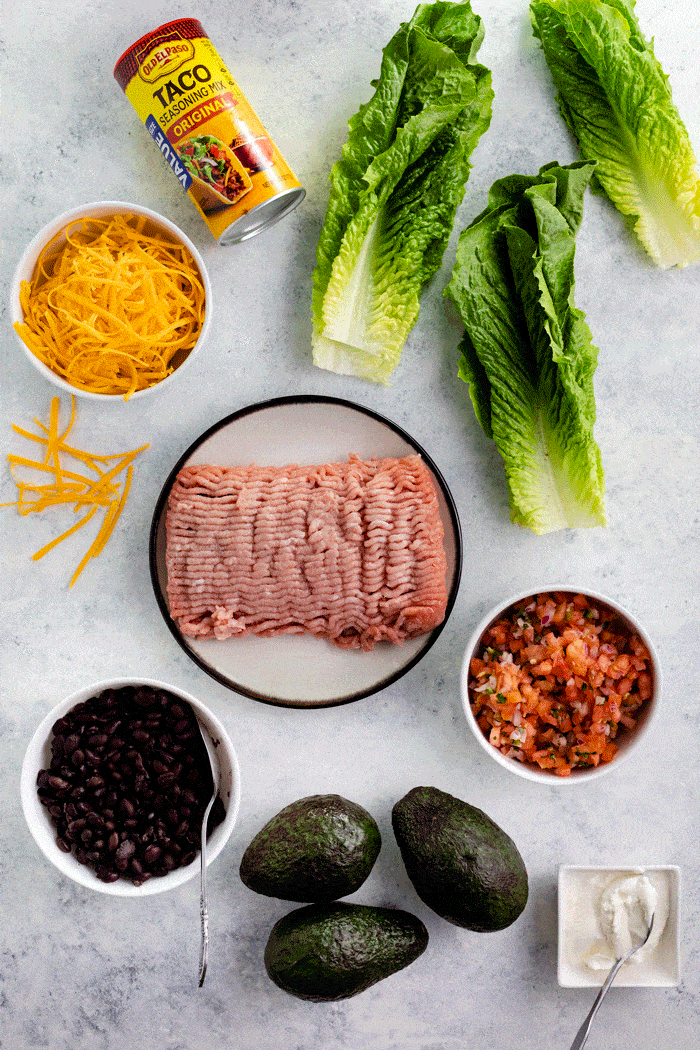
pixel 603 912
pixel 624 910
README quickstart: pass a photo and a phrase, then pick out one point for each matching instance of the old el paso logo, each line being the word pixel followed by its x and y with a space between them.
pixel 165 58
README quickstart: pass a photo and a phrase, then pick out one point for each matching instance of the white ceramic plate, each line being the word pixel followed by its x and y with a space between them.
pixel 300 670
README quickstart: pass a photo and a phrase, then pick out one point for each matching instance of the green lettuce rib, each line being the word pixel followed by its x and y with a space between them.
pixel 396 188
pixel 616 101
pixel 527 353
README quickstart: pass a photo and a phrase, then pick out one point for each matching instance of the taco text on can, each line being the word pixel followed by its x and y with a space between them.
pixel 207 132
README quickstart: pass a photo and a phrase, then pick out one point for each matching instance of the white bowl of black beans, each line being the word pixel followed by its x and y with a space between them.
pixel 115 781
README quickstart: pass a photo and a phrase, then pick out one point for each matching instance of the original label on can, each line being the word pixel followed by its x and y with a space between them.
pixel 206 130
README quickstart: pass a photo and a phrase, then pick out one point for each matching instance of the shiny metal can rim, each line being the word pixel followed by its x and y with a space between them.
pixel 262 216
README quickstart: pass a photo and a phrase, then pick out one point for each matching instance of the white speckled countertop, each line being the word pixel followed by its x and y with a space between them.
pixel 81 971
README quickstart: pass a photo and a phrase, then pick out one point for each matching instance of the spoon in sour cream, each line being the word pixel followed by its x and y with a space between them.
pixel 582 1034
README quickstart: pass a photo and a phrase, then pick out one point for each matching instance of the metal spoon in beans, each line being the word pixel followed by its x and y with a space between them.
pixel 128 784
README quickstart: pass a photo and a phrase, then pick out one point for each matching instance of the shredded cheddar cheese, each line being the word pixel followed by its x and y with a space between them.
pixel 109 309
pixel 71 486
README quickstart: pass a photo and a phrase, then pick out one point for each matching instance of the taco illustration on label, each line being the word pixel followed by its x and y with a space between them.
pixel 218 177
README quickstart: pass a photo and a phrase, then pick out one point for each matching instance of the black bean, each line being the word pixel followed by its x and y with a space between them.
pixel 151 854
pixel 106 874
pixel 126 849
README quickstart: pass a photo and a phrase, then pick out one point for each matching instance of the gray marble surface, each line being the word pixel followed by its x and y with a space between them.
pixel 82 970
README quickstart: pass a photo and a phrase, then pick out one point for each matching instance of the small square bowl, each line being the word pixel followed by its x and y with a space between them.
pixel 627 740
pixel 38 757
pixel 579 889
pixel 100 210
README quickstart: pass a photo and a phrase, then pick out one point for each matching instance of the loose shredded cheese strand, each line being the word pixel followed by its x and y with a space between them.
pixel 110 309
pixel 49 546
pixel 70 487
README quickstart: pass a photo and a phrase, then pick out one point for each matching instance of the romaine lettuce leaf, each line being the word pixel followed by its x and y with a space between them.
pixel 616 101
pixel 527 353
pixel 396 188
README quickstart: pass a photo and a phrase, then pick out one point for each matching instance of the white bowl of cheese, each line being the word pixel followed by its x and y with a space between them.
pixel 110 300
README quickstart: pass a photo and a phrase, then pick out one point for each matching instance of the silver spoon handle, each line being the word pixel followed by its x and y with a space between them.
pixel 203 907
pixel 582 1034
pixel 204 949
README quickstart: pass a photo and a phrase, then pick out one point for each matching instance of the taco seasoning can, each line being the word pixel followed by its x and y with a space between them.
pixel 206 130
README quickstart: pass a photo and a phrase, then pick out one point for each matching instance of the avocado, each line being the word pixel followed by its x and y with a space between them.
pixel 316 849
pixel 460 862
pixel 325 952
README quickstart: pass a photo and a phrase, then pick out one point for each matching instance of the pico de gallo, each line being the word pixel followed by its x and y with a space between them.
pixel 556 678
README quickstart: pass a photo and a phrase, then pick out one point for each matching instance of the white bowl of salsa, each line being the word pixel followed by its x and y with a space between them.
pixel 560 684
